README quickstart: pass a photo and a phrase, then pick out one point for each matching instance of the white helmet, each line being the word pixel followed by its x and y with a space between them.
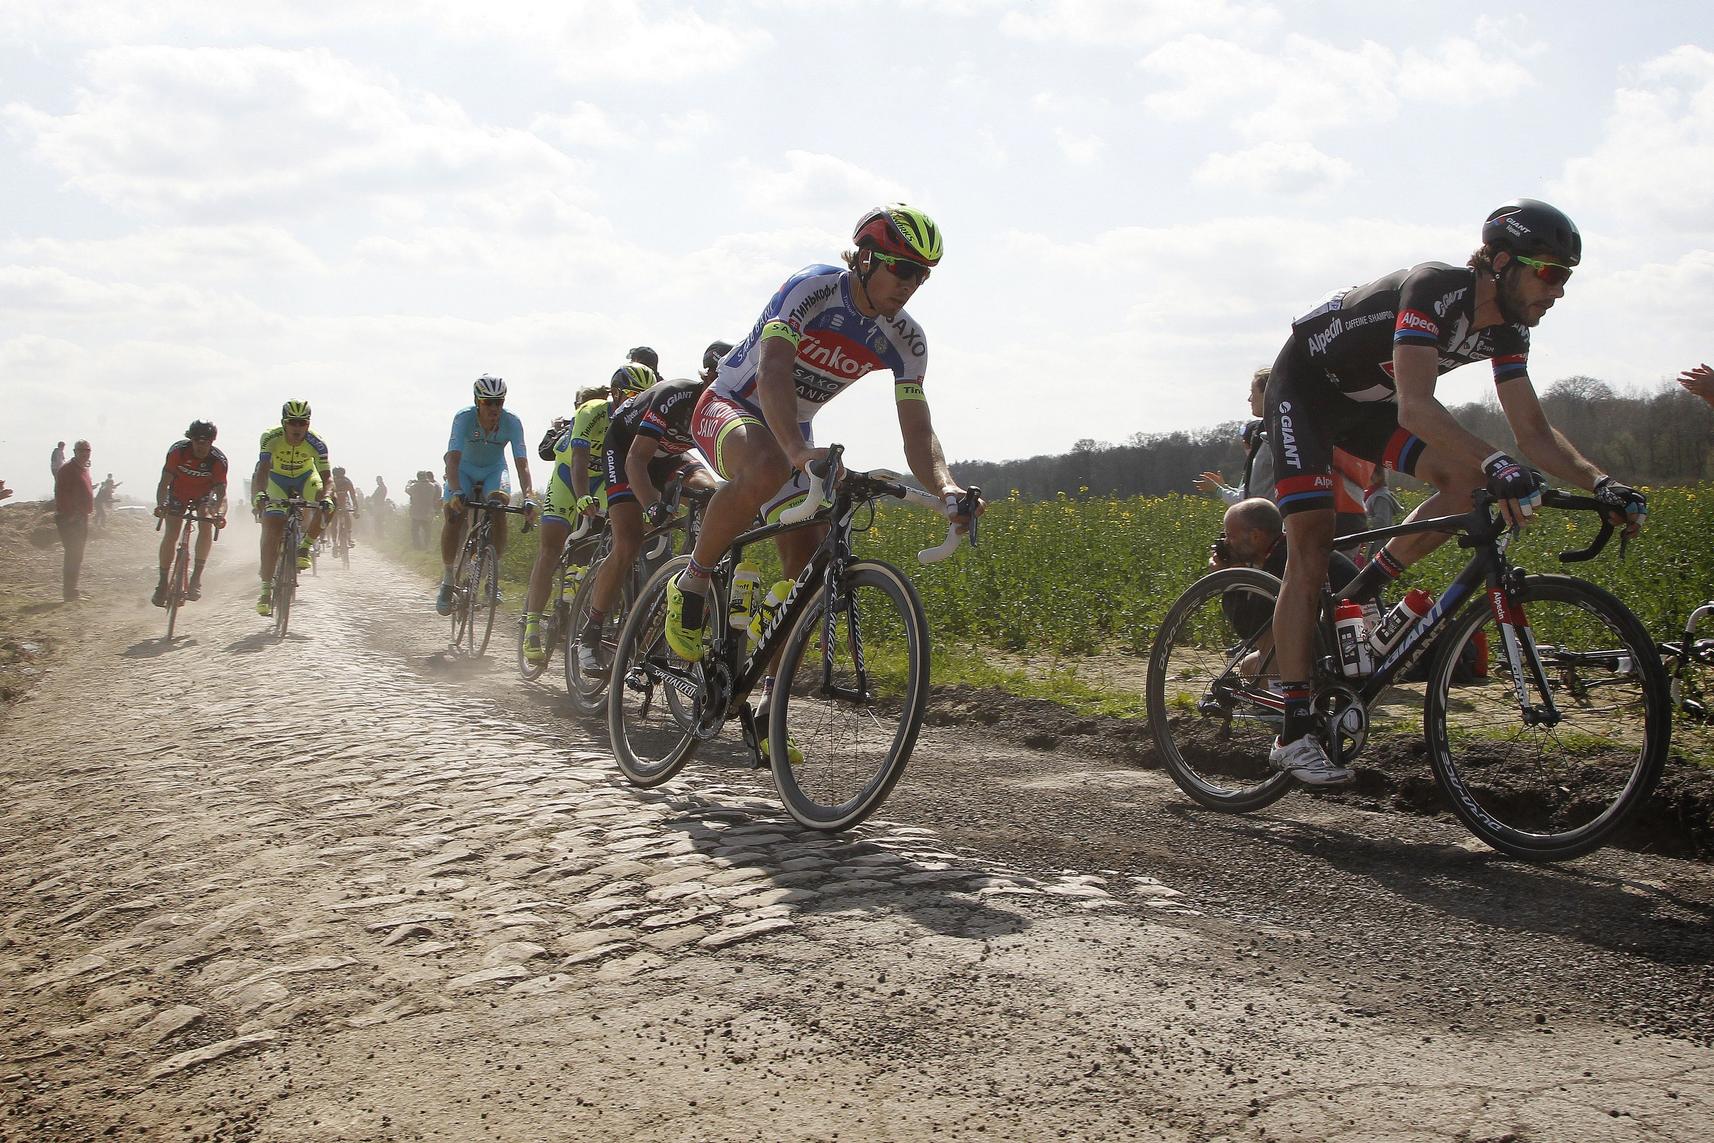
pixel 489 387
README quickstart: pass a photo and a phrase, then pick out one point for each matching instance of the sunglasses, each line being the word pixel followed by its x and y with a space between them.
pixel 295 421
pixel 1550 272
pixel 902 268
pixel 492 401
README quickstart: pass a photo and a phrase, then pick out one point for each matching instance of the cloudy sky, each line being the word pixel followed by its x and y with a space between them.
pixel 209 208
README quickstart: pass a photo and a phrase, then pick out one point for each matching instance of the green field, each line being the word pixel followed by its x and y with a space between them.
pixel 1060 581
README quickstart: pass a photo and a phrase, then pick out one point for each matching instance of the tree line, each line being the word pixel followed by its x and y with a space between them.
pixel 1651 438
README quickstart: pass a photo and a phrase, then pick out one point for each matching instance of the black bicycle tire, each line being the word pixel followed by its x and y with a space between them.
pixel 285 583
pixel 1167 750
pixel 636 772
pixel 175 586
pixel 585 700
pixel 1468 807
pixel 852 812
pixel 490 596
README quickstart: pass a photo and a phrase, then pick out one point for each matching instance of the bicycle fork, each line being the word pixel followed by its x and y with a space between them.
pixel 1517 639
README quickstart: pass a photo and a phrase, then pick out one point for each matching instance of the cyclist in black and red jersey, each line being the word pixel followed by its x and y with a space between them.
pixel 648 443
pixel 194 474
pixel 1359 372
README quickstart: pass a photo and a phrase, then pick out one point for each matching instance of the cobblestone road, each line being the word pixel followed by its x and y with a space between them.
pixel 309 891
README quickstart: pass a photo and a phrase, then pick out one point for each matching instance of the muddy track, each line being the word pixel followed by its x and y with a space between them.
pixel 346 887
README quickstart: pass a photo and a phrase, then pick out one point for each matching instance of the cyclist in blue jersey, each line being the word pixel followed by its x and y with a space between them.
pixel 826 327
pixel 476 454
pixel 1359 372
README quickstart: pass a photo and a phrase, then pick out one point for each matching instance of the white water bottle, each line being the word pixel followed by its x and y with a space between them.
pixel 1406 613
pixel 769 607
pixel 746 586
pixel 1353 636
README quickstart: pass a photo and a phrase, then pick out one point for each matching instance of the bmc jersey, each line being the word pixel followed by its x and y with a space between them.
pixel 836 343
pixel 1350 337
pixel 289 460
pixel 662 412
pixel 190 479
pixel 482 451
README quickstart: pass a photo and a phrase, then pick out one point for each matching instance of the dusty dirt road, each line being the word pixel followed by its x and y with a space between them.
pixel 344 888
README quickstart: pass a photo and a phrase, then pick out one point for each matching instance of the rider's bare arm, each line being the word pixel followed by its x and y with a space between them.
pixel 259 480
pixel 452 462
pixel 778 394
pixel 922 448
pixel 1544 445
pixel 637 459
pixel 1415 373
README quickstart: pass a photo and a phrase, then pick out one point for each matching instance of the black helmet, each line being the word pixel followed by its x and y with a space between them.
pixel 1530 226
pixel 201 431
pixel 646 356
pixel 715 351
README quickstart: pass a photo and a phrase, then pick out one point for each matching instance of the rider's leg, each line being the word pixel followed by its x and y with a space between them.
pixel 169 541
pixel 553 532
pixel 757 468
pixel 625 522
pixel 795 550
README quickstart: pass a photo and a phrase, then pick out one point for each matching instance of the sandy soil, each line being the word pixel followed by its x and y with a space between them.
pixel 348 888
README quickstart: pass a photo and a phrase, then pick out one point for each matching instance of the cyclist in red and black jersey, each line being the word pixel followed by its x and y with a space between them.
pixel 194 472
pixel 1359 372
pixel 648 443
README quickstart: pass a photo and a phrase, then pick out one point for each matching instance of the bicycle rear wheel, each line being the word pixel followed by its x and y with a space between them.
pixel 655 700
pixel 1209 670
pixel 485 600
pixel 852 703
pixel 463 593
pixel 589 691
pixel 1541 791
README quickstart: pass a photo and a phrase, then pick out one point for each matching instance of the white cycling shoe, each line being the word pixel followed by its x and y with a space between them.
pixel 1308 762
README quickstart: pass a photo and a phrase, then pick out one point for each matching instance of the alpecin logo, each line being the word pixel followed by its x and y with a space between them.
pixel 1419 321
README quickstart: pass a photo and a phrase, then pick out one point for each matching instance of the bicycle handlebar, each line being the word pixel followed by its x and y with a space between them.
pixel 881 482
pixel 1554 498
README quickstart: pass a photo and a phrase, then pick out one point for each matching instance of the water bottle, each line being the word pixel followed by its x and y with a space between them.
pixel 1407 613
pixel 770 607
pixel 1353 637
pixel 746 586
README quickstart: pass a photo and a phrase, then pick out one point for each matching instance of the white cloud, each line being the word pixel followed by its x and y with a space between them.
pixel 243 132
pixel 1655 164
pixel 227 253
pixel 1082 149
pixel 585 125
pixel 1462 72
pixel 813 187
pixel 1106 22
pixel 1297 169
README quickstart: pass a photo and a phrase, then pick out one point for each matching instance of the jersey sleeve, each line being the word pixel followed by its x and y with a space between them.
pixel 515 429
pixel 1418 322
pixel 266 447
pixel 1511 353
pixel 583 423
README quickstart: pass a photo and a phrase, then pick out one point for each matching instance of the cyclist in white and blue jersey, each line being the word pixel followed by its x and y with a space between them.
pixel 823 329
pixel 476 455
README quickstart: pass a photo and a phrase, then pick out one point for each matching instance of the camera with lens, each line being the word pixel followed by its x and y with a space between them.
pixel 1221 549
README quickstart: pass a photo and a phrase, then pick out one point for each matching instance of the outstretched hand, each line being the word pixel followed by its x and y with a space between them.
pixel 1699 381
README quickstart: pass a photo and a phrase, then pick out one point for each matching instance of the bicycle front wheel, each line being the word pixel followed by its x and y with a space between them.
pixel 849 699
pixel 176 588
pixel 1208 689
pixel 285 585
pixel 1556 782
pixel 655 700
pixel 484 600
pixel 588 690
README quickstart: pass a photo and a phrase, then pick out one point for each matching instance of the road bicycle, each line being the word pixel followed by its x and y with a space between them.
pixel 341 530
pixel 852 679
pixel 588 689
pixel 1542 758
pixel 476 579
pixel 568 574
pixel 284 585
pixel 178 579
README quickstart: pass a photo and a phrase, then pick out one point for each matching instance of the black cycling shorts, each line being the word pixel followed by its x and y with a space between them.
pixel 662 466
pixel 1308 418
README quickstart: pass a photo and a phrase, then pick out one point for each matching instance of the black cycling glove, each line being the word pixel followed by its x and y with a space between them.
pixel 1622 498
pixel 1510 480
pixel 656 514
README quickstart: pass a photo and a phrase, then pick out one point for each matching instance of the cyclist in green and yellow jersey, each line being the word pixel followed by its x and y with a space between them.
pixel 292 460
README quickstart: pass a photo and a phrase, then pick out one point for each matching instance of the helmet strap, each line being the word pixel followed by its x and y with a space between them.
pixel 863 271
pixel 1500 298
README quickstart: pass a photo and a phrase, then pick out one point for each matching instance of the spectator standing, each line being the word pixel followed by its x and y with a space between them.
pixel 4 491
pixel 378 506
pixel 104 499
pixel 1382 505
pixel 74 500
pixel 423 493
pixel 56 459
pixel 1258 479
